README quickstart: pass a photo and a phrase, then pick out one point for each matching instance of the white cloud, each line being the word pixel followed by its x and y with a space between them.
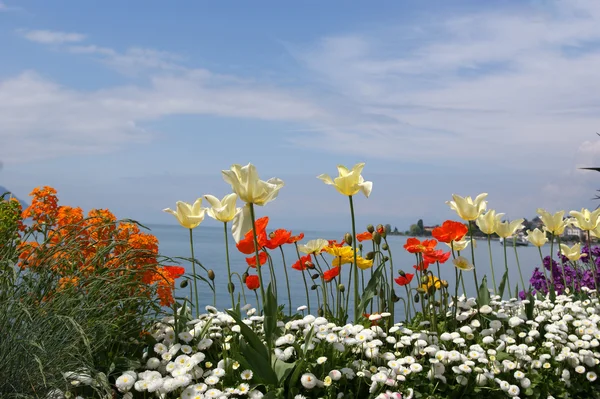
pixel 52 37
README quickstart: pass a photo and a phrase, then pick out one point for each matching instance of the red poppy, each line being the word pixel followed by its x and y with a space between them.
pixel 334 243
pixel 450 231
pixel 174 272
pixel 436 256
pixel 252 282
pixel 246 245
pixel 404 280
pixel 331 274
pixel 277 238
pixel 302 263
pixel 294 239
pixel 422 266
pixel 413 245
pixel 366 236
pixel 262 257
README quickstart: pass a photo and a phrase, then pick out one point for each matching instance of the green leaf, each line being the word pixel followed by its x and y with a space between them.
pixel 282 369
pixel 270 321
pixel 250 336
pixel 530 306
pixel 503 284
pixel 259 364
pixel 484 293
pixel 370 290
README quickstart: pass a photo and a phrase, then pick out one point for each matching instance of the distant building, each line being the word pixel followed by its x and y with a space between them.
pixel 572 231
pixel 429 228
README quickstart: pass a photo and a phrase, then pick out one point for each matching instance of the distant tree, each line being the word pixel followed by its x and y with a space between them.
pixel 414 230
pixel 396 230
pixel 388 228
pixel 406 233
pixel 420 226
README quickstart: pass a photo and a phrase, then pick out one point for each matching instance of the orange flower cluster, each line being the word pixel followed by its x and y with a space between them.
pixel 75 246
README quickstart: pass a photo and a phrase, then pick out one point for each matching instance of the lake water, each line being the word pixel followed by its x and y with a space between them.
pixel 209 247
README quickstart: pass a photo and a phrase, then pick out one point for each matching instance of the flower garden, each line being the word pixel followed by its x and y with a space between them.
pixel 89 307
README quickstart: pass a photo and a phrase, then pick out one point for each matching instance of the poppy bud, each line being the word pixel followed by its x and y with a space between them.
pixel 231 288
pixel 424 280
pixel 244 277
pixel 314 287
pixel 370 228
pixel 380 230
pixel 416 298
pixel 395 298
pixel 420 290
pixel 310 265
pixel 341 287
pixel 426 296
pixel 444 283
pixel 348 238
pixel 315 276
pixel 377 238
pixel 360 247
pixel 370 255
pixel 381 292
pixel 401 272
pixel 184 283
pixel 385 247
pixel 320 312
pixel 211 274
pixel 386 258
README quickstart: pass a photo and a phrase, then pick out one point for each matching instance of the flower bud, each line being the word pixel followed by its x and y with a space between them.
pixel 348 238
pixel 386 258
pixel 320 312
pixel 341 287
pixel 314 287
pixel 360 247
pixel 370 228
pixel 401 272
pixel 416 297
pixel 211 274
pixel 381 230
pixel 310 265
pixel 424 280
pixel 385 247
pixel 395 298
pixel 377 238
pixel 184 283
pixel 315 276
pixel 370 255
pixel 231 288
pixel 244 277
pixel 420 290
pixel 444 283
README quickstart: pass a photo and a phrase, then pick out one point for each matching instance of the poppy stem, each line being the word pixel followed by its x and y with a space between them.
pixel 473 260
pixel 287 280
pixel 489 240
pixel 356 310
pixel 303 277
pixel 506 269
pixel 518 264
pixel 194 272
pixel 258 266
pixel 230 286
pixel 391 284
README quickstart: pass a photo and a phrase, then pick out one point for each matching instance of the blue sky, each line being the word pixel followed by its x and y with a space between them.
pixel 134 105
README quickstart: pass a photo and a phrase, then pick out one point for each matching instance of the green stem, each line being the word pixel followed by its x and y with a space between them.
pixel 391 284
pixel 230 287
pixel 506 269
pixel 548 283
pixel 287 280
pixel 258 266
pixel 473 259
pixel 489 237
pixel 355 266
pixel 241 285
pixel 519 265
pixel 303 277
pixel 194 272
pixel 455 294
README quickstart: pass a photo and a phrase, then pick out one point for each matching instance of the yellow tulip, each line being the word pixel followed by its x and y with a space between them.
pixel 585 219
pixel 487 221
pixel 313 246
pixel 507 229
pixel 463 264
pixel 466 208
pixel 249 188
pixel 572 253
pixel 537 237
pixel 222 210
pixel 349 182
pixel 556 223
pixel 189 216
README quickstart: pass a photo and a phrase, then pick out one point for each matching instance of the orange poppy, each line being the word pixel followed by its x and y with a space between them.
pixel 404 280
pixel 413 245
pixel 436 256
pixel 262 258
pixel 422 266
pixel 334 243
pixel 331 274
pixel 252 282
pixel 450 231
pixel 366 236
pixel 294 239
pixel 302 263
pixel 277 238
pixel 246 245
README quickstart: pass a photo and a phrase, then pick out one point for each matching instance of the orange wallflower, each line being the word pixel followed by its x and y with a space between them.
pixel 246 245
pixel 450 231
pixel 366 236
pixel 277 238
pixel 413 245
pixel 262 258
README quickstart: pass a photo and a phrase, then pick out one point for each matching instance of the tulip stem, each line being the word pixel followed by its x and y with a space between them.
pixel 548 282
pixel 506 269
pixel 356 310
pixel 391 283
pixel 194 272
pixel 230 286
pixel 519 264
pixel 287 280
pixel 256 254
pixel 489 240
pixel 473 259
pixel 303 277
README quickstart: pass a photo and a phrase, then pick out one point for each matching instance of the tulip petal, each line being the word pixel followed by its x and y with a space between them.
pixel 213 201
pixel 326 179
pixel 366 187
pixel 242 223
